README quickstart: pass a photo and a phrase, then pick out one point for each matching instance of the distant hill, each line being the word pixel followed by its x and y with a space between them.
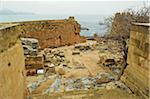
pixel 10 12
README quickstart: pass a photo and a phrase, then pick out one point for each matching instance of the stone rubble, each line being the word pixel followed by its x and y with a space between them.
pixel 82 47
pixel 86 83
pixel 110 54
pixel 55 87
pixel 32 86
pixel 55 57
pixel 56 64
pixel 75 53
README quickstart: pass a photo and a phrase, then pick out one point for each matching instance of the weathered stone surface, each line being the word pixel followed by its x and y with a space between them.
pixel 61 71
pixel 137 72
pixel 30 46
pixel 111 55
pixel 75 53
pixel 8 37
pixel 121 24
pixel 31 72
pixel 56 57
pixel 12 66
pixel 52 33
pixel 88 94
pixel 102 80
pixel 34 62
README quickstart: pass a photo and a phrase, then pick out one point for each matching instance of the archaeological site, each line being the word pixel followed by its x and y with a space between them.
pixel 50 59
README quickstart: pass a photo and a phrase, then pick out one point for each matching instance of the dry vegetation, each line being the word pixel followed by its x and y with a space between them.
pixel 120 24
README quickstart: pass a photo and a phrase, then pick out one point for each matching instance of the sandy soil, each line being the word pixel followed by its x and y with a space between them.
pixel 89 59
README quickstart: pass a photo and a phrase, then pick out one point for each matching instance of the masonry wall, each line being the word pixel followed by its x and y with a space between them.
pixel 53 33
pixel 121 24
pixel 12 80
pixel 136 75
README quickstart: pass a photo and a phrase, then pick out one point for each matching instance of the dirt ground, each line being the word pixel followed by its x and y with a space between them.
pixel 88 59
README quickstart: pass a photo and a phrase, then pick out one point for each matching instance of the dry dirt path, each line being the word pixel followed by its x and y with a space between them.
pixel 88 58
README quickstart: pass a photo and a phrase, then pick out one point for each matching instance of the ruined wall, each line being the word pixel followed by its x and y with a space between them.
pixel 12 65
pixel 53 33
pixel 136 75
pixel 121 24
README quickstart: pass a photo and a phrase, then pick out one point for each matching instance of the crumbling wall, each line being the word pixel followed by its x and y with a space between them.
pixel 53 33
pixel 12 65
pixel 121 24
pixel 136 75
pixel 34 62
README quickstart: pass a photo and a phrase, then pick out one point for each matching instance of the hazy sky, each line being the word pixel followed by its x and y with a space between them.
pixel 69 7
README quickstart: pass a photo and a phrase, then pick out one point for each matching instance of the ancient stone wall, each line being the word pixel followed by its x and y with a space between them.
pixel 136 75
pixel 121 24
pixel 12 65
pixel 53 33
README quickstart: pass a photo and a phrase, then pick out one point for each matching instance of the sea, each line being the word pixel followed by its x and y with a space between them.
pixel 87 21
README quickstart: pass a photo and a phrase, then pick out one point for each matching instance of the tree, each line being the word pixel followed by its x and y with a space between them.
pixel 120 24
pixel 141 15
pixel 108 23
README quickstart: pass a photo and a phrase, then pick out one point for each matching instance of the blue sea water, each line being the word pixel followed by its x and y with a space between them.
pixel 88 21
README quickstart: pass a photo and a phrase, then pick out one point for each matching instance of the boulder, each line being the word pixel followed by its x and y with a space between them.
pixel 61 54
pixel 109 62
pixel 110 85
pixel 102 79
pixel 75 53
pixel 61 71
pixel 82 47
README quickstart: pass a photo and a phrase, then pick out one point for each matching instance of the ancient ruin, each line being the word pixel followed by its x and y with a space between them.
pixel 136 75
pixel 12 64
pixel 49 59
pixel 52 33
pixel 121 24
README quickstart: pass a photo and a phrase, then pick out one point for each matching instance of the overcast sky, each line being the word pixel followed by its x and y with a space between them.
pixel 69 7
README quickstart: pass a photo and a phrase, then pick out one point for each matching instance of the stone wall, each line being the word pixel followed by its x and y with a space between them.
pixel 34 62
pixel 52 33
pixel 12 65
pixel 136 75
pixel 121 24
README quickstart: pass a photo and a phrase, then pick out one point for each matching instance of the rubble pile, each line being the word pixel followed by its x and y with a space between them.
pixel 55 87
pixel 55 57
pixel 110 54
pixel 32 86
pixel 82 47
pixel 102 80
pixel 74 74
